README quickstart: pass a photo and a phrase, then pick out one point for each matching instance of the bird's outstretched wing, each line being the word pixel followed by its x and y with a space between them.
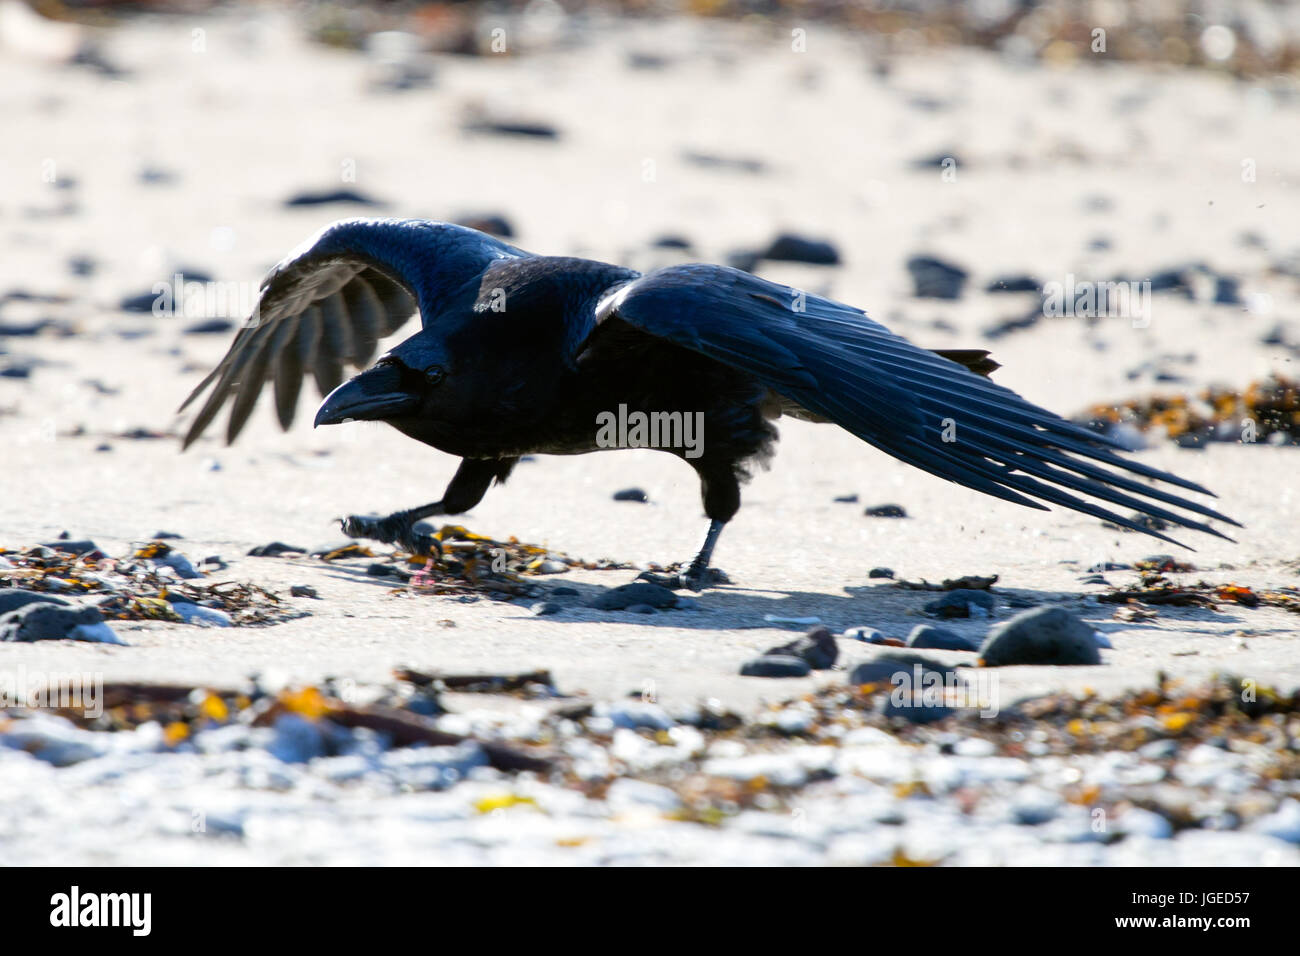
pixel 331 300
pixel 924 409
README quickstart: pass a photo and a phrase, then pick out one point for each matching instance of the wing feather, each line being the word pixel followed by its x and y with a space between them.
pixel 919 406
pixel 327 305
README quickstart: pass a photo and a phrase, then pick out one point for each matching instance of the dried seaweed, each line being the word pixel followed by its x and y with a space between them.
pixel 137 588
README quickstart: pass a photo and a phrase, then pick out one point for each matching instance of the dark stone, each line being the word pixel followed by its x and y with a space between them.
pixel 491 223
pixel 935 279
pixel 773 665
pixel 1227 291
pixel 42 621
pixel 274 549
pixel 631 494
pixel 791 248
pixel 303 591
pixel 522 128
pixel 746 260
pixel 672 242
pixel 939 639
pixel 817 647
pixel 882 669
pixel 638 592
pixel 83 546
pixel 1014 284
pixel 209 327
pixel 564 591
pixel 1007 326
pixel 545 608
pixel 885 511
pixel 881 573
pixel 330 196
pixel 11 599
pixel 958 603
pixel 846 499
pixel 915 711
pixel 1045 635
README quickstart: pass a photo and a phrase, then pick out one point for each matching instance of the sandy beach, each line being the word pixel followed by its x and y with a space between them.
pixel 183 165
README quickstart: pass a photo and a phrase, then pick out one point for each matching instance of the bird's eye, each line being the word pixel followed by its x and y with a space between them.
pixel 435 374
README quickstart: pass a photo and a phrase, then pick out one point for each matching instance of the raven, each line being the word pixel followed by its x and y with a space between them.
pixel 520 354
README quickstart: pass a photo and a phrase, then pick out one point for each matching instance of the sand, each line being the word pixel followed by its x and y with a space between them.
pixel 262 113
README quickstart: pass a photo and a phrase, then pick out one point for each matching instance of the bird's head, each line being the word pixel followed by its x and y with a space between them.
pixel 409 383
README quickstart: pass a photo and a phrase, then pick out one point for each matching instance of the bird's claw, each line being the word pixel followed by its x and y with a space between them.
pixel 395 529
pixel 692 579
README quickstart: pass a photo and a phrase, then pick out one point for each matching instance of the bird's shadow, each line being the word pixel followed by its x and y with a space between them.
pixel 886 607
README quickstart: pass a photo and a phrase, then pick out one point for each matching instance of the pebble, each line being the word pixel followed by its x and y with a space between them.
pixel 885 511
pixel 1283 823
pixel 209 327
pixel 935 279
pixel 631 494
pixel 635 714
pixel 11 599
pixel 493 224
pixel 303 590
pixel 178 563
pixel 1044 635
pixel 564 591
pixel 523 128
pixel 939 638
pixel 918 713
pixel 887 573
pixel 40 621
pixel 274 549
pixel 775 665
pixel 791 248
pixel 638 592
pixel 846 499
pixel 71 547
pixel 350 197
pixel 961 602
pixel 203 616
pixel 551 566
pixel 882 669
pixel 1017 283
pixel 817 648
pixel 868 635
pixel 1144 823
pixel 546 608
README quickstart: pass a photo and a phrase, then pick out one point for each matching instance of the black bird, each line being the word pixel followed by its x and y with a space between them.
pixel 520 354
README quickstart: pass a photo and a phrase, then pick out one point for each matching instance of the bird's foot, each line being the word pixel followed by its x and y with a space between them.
pixel 398 528
pixel 692 578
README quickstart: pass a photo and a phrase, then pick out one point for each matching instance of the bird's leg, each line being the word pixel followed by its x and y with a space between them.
pixel 720 491
pixel 466 489
pixel 697 575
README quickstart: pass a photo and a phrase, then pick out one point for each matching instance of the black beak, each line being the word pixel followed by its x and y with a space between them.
pixel 374 395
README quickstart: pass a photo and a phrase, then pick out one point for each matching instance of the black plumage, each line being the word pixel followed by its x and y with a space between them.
pixel 520 354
